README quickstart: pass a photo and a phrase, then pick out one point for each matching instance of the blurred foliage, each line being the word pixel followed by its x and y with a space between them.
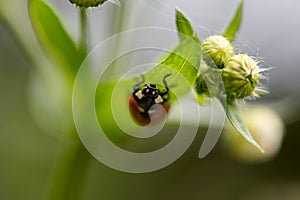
pixel 30 157
pixel 53 37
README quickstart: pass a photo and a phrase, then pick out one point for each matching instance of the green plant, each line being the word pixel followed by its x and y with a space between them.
pixel 193 66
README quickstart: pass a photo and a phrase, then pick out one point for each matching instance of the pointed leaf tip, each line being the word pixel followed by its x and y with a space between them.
pixel 235 23
pixel 184 26
pixel 234 116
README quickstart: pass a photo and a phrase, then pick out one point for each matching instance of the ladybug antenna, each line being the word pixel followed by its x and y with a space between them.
pixel 139 83
pixel 165 82
pixel 143 78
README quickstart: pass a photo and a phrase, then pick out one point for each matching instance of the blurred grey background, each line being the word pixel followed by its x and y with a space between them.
pixel 270 28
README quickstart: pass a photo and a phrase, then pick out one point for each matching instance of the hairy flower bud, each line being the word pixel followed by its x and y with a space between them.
pixel 87 3
pixel 240 76
pixel 217 50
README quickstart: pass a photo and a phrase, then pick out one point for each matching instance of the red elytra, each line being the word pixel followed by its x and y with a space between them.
pixel 157 114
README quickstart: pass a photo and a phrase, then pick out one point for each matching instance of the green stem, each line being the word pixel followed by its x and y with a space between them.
pixel 69 176
pixel 83 31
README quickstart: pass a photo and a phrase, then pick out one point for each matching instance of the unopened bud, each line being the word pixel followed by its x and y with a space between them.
pixel 240 76
pixel 87 3
pixel 217 50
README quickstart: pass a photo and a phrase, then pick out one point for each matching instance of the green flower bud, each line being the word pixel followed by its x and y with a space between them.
pixel 217 50
pixel 200 84
pixel 240 76
pixel 87 3
pixel 201 89
pixel 208 83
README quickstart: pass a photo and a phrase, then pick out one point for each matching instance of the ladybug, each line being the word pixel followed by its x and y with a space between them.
pixel 148 100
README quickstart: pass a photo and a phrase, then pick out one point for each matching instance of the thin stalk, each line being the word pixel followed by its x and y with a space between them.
pixel 71 171
pixel 70 174
pixel 83 31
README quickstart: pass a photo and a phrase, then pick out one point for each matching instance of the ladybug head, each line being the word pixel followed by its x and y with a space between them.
pixel 150 90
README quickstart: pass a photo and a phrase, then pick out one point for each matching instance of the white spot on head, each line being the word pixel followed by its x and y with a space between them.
pixel 139 94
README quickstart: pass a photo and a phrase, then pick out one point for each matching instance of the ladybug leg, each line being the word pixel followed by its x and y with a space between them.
pixel 163 93
pixel 139 83
pixel 165 82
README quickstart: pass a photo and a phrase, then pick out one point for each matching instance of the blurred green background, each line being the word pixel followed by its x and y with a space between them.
pixel 29 156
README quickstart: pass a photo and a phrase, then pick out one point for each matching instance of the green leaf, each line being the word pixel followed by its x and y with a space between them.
pixel 183 26
pixel 234 116
pixel 235 23
pixel 53 37
pixel 183 63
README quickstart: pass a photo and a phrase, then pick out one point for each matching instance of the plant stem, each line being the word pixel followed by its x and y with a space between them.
pixel 69 176
pixel 70 173
pixel 83 31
